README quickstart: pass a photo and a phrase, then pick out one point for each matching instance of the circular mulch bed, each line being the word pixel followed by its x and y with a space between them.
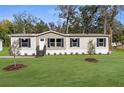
pixel 13 67
pixel 92 60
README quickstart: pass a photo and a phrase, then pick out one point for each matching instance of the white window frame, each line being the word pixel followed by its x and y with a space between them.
pixel 25 43
pixel 101 44
pixel 61 42
pixel 52 42
pixel 75 44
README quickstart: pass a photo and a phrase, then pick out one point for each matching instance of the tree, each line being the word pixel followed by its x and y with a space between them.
pixel 87 17
pixel 6 27
pixel 91 47
pixel 24 22
pixel 118 29
pixel 52 26
pixel 41 27
pixel 67 12
pixel 107 14
pixel 27 23
pixel 15 49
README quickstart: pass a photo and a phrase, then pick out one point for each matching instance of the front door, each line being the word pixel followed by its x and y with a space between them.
pixel 41 44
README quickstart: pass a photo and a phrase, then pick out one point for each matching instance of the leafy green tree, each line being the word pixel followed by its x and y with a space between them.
pixel 87 17
pixel 118 29
pixel 24 22
pixel 66 12
pixel 27 23
pixel 41 27
pixel 6 27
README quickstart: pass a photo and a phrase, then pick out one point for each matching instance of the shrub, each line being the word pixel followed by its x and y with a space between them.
pixel 65 53
pixel 33 54
pixel 48 54
pixel 76 53
pixel 71 53
pixel 83 53
pixel 108 53
pixel 91 47
pixel 25 54
pixel 60 53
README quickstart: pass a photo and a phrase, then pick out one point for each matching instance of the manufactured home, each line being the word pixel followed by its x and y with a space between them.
pixel 52 42
pixel 1 44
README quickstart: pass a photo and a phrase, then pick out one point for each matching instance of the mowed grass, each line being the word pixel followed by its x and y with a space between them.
pixel 66 71
pixel 5 51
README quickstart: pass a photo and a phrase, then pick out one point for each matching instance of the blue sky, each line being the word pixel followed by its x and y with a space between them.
pixel 45 12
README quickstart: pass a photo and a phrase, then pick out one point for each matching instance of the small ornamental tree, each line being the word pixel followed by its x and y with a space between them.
pixel 15 49
pixel 91 50
pixel 91 47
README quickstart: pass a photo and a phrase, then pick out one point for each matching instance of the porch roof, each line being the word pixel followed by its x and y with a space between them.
pixel 66 35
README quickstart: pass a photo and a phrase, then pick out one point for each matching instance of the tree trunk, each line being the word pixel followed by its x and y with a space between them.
pixel 14 61
pixel 110 39
pixel 67 25
pixel 24 30
pixel 105 25
pixel 84 30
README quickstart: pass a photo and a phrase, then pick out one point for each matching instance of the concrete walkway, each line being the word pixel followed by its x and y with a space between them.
pixel 17 57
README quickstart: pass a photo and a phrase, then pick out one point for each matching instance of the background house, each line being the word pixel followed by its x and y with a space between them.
pixel 1 44
pixel 52 42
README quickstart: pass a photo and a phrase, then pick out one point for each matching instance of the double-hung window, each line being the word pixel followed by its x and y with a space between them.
pixel 24 42
pixel 74 42
pixel 59 42
pixel 101 42
pixel 52 42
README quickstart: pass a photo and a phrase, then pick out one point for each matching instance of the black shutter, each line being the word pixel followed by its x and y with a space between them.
pixel 29 42
pixel 104 42
pixel 20 42
pixel 78 42
pixel 97 42
pixel 62 42
pixel 70 42
pixel 48 42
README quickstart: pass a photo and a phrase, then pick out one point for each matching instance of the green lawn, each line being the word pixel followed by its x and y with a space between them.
pixel 65 71
pixel 5 51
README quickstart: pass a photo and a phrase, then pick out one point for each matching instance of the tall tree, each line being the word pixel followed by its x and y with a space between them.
pixel 40 26
pixel 23 22
pixel 52 26
pixel 6 27
pixel 27 23
pixel 67 12
pixel 118 29
pixel 87 17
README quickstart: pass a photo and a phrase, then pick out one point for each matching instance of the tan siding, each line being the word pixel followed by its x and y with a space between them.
pixel 84 42
pixel 52 35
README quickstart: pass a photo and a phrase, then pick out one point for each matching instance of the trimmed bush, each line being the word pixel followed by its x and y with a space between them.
pixel 76 53
pixel 25 54
pixel 65 53
pixel 71 53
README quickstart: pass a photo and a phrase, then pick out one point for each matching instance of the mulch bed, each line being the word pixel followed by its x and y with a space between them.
pixel 92 60
pixel 13 67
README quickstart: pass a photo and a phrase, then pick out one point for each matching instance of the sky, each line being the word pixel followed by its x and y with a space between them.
pixel 46 12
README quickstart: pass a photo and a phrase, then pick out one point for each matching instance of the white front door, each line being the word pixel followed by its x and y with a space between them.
pixel 41 43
